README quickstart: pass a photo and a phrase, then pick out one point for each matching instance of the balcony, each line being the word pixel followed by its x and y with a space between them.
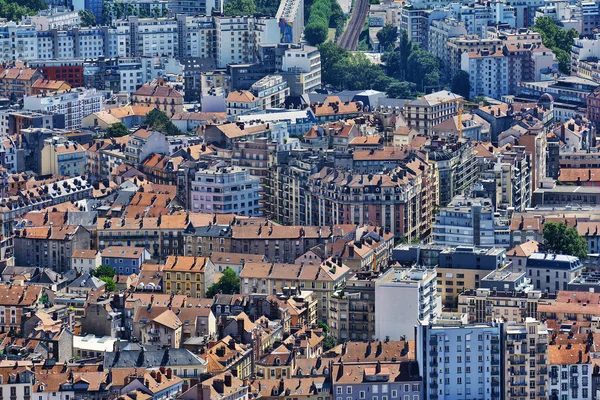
pixel 154 332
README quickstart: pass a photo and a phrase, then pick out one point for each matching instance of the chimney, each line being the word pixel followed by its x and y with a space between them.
pixel 351 250
pixel 580 356
pixel 219 386
pixel 169 373
pixel 228 379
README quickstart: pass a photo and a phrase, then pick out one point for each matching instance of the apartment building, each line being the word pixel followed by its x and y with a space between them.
pixel 552 272
pixel 503 294
pixel 460 360
pixel 301 68
pixel 142 143
pixel 291 16
pixel 242 102
pixel 16 81
pixel 50 247
pixel 75 104
pixel 124 260
pixel 488 72
pixel 164 329
pixel 431 110
pixel 421 302
pixel 226 190
pixel 13 121
pixel 191 276
pixel 400 201
pixel 18 304
pixel 465 222
pixel 63 157
pixel 271 278
pixel 440 32
pixel 352 312
pixel 468 44
pixel 161 96
pixel 571 306
pixel 570 368
pixel 526 359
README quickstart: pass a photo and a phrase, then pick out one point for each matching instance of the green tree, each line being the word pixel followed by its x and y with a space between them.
pixel 331 54
pixel 87 18
pixel 104 271
pixel 229 283
pixel 461 83
pixel 315 32
pixel 117 130
pixel 110 285
pixel 329 342
pixel 387 36
pixel 158 121
pixel 402 90
pixel 405 48
pixel 556 39
pixel 317 27
pixel 422 69
pixel 239 7
pixel 560 239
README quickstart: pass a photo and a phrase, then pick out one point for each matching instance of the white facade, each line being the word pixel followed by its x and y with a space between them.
pixel 418 290
pixel 305 63
pixel 226 190
pixel 465 222
pixel 488 73
pixel 566 379
pixel 75 104
pixel 56 18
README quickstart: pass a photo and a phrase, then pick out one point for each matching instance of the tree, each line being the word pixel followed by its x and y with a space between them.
pixel 117 130
pixel 402 90
pixel 315 32
pixel 110 285
pixel 557 39
pixel 461 83
pixel 387 36
pixel 329 342
pixel 229 283
pixel 104 271
pixel 158 121
pixel 422 69
pixel 239 7
pixel 560 239
pixel 405 48
pixel 317 27
pixel 87 18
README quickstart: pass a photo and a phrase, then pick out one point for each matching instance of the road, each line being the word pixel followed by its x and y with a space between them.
pixel 349 39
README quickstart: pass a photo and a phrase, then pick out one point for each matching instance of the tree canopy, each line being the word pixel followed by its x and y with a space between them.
pixel 229 283
pixel 461 83
pixel 117 130
pixel 158 121
pixel 239 7
pixel 87 18
pixel 110 285
pixel 15 10
pixel 103 271
pixel 558 40
pixel 560 239
pixel 387 36
pixel 317 26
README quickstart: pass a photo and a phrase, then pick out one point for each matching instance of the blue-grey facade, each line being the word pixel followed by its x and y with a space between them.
pixel 461 361
pixel 552 272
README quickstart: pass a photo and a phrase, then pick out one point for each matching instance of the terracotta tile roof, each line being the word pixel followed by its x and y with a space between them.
pixel 579 175
pixel 218 257
pixel 228 391
pixel 46 84
pixel 65 232
pixel 573 303
pixel 142 134
pixel 332 105
pixel 241 96
pixel 385 154
pixel 304 387
pixel 366 140
pixel 157 91
pixel 185 263
pixel 275 232
pixel 169 319
pixel 568 354
pixel 378 351
pixel 123 252
pixel 199 150
pixel 232 130
pixel 88 254
pixel 160 162
pixel 200 116
pixel 524 249
pixel 18 73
